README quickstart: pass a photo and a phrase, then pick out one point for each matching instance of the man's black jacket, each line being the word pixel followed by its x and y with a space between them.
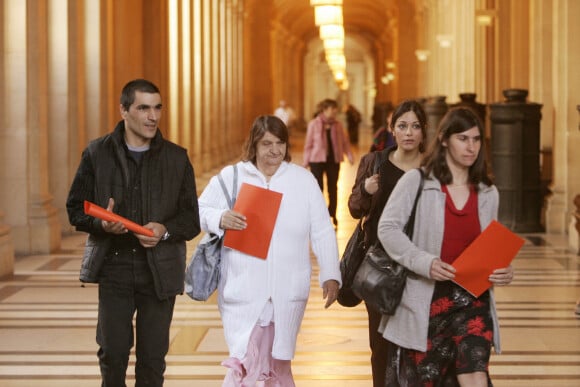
pixel 168 197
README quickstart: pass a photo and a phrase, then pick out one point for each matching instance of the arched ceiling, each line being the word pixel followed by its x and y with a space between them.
pixel 367 19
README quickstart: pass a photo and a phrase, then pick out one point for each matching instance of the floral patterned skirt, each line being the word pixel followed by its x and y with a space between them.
pixel 459 341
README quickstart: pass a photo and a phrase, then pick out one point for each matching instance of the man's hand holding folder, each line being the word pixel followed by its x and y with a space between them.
pixel 99 212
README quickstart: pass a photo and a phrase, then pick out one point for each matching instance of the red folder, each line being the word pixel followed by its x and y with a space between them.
pixel 494 248
pixel 99 212
pixel 260 206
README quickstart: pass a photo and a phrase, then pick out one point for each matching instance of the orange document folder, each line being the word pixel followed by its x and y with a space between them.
pixel 260 206
pixel 99 212
pixel 493 249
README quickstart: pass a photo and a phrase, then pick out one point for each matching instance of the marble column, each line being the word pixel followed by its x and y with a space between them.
pixel 206 86
pixel 486 24
pixel 256 60
pixel 59 95
pixel 405 81
pixel 574 236
pixel 6 249
pixel 574 227
pixel 6 241
pixel 237 67
pixel 25 185
pixel 205 80
pixel 566 179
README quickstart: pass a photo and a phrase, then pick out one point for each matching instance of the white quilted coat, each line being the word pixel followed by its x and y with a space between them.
pixel 247 283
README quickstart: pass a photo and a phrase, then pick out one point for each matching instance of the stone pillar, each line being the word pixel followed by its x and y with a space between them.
pixel 6 242
pixel 237 67
pixel 563 75
pixel 6 250
pixel 43 223
pixel 574 229
pixel 574 235
pixel 25 185
pixel 435 108
pixel 224 77
pixel 61 115
pixel 468 101
pixel 515 136
pixel 485 32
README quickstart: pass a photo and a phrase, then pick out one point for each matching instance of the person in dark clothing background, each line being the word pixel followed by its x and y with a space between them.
pixel 136 173
pixel 353 120
pixel 383 138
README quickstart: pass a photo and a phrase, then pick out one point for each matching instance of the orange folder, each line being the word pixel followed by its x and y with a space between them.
pixel 260 206
pixel 99 212
pixel 494 248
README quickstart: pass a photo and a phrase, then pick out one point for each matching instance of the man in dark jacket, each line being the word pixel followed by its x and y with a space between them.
pixel 137 174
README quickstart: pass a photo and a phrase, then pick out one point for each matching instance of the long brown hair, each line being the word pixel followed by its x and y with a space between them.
pixel 261 125
pixel 457 120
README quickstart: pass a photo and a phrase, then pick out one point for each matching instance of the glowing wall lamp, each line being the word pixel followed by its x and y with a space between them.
pixel 445 41
pixel 330 44
pixel 328 17
pixel 339 75
pixel 389 64
pixel 484 20
pixel 331 31
pixel 333 52
pixel 336 61
pixel 325 2
pixel 327 14
pixel 387 78
pixel 422 55
pixel 484 17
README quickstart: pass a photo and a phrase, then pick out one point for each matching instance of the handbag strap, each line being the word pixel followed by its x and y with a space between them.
pixel 231 200
pixel 411 222
pixel 379 158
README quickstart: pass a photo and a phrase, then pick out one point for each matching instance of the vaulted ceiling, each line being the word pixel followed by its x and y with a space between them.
pixel 367 19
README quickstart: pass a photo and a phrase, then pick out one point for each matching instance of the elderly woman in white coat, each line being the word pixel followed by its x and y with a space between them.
pixel 262 301
pixel 443 335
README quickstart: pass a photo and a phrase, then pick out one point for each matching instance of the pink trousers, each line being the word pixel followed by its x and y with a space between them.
pixel 258 368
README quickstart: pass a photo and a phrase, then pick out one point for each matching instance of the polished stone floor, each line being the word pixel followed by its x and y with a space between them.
pixel 47 323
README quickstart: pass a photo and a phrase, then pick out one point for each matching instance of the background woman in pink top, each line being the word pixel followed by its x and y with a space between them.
pixel 325 146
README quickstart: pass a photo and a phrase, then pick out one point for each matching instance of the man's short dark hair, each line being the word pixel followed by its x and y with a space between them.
pixel 142 85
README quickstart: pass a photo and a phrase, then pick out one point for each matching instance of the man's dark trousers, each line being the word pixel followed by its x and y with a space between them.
pixel 125 287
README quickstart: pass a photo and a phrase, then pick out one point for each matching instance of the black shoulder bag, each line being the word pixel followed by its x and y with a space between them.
pixel 353 255
pixel 380 280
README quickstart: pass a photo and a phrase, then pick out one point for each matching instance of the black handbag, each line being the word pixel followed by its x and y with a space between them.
pixel 380 280
pixel 353 255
